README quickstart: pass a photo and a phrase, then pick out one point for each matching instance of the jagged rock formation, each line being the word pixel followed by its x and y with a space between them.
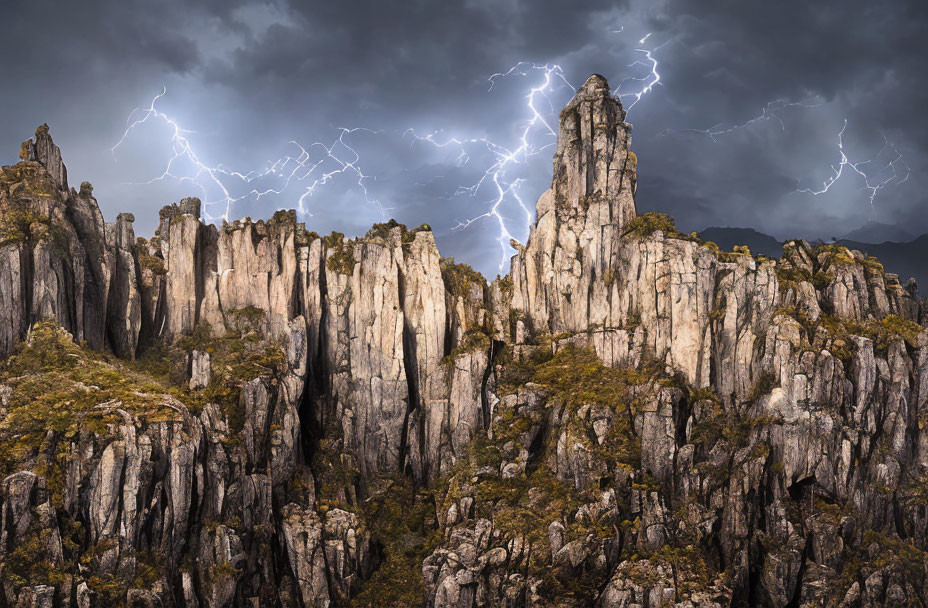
pixel 630 418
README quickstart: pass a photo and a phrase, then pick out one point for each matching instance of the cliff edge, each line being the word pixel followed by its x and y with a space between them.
pixel 254 415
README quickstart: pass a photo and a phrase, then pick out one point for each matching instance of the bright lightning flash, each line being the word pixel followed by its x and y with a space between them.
pixel 504 158
pixel 649 80
pixel 895 166
pixel 769 112
pixel 309 170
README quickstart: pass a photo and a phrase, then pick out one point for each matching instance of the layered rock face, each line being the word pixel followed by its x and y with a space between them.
pixel 60 260
pixel 252 415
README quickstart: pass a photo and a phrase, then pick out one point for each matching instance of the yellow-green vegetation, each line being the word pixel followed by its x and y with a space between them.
pixel 26 178
pixel 27 563
pixel 648 223
pixel 897 559
pixel 789 276
pixel 730 426
pixel 283 216
pixel 516 372
pixel 687 566
pixel 763 384
pixel 833 253
pixel 476 339
pixel 153 263
pixel 110 588
pixel 336 473
pixel 60 390
pixel 242 354
pixel 718 310
pixel 891 329
pixel 402 521
pixel 505 285
pixel 459 279
pixel 19 222
pixel 883 333
pixel 873 264
pixel 522 506
pixel 341 253
pixel 841 332
pixel 827 257
pixel 22 186
pixel 576 377
pixel 384 230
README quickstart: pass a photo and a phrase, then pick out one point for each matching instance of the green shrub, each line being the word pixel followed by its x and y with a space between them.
pixel 460 278
pixel 648 223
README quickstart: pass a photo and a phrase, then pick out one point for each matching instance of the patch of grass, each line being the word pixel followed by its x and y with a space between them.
pixel 883 333
pixel 459 279
pixel 147 261
pixel 341 253
pixel 241 355
pixel 789 276
pixel 27 563
pixel 61 389
pixel 892 328
pixel 402 521
pixel 648 223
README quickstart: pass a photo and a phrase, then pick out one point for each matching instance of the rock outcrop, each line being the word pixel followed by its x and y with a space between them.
pixel 252 415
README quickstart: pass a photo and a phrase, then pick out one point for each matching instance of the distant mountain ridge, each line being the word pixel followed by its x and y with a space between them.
pixel 757 242
pixel 907 259
pixel 877 232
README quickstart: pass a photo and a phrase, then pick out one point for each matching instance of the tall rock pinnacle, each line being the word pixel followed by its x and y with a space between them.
pixel 593 159
pixel 43 150
pixel 558 277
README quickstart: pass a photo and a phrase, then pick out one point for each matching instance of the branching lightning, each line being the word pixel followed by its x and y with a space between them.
pixel 315 165
pixel 898 168
pixel 649 80
pixel 504 158
pixel 895 166
pixel 334 159
pixel 769 112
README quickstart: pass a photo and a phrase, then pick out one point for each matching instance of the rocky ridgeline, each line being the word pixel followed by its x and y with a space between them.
pixel 252 415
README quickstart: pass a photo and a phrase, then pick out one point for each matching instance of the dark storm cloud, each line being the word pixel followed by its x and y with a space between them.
pixel 249 76
pixel 863 61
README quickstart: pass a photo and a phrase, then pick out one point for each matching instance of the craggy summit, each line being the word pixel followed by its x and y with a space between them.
pixel 254 415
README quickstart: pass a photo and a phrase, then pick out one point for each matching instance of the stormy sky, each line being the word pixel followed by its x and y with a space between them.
pixel 245 78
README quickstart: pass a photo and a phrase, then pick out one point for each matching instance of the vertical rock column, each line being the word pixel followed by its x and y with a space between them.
pixel 124 312
pixel 561 276
pixel 181 226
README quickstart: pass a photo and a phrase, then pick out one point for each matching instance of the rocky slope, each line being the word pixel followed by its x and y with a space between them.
pixel 252 415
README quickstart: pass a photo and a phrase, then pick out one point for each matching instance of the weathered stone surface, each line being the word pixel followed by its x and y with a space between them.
pixel 630 418
pixel 302 534
pixel 124 308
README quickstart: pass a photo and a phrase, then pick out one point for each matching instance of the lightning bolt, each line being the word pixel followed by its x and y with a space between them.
pixel 649 80
pixel 504 158
pixel 311 167
pixel 769 112
pixel 899 169
pixel 844 162
pixel 316 170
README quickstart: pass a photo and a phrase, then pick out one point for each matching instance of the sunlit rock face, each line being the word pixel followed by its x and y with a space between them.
pixel 253 415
